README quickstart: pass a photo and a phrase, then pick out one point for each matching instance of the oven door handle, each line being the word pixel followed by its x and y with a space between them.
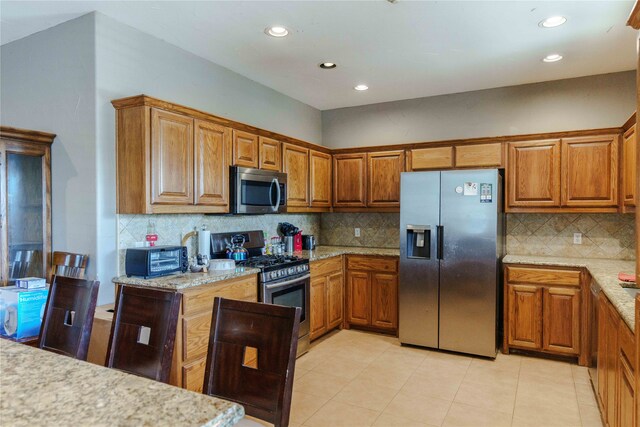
pixel 288 282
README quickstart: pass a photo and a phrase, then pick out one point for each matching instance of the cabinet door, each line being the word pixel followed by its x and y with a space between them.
pixel 431 158
pixel 318 307
pixel 384 300
pixel 561 320
pixel 626 392
pixel 533 174
pixel 295 163
pixel 629 165
pixel 602 354
pixel 590 171
pixel 245 149
pixel 611 369
pixel 479 155
pixel 525 316
pixel 335 297
pixel 358 298
pixel 349 180
pixel 384 178
pixel 171 158
pixel 212 159
pixel 320 179
pixel 270 155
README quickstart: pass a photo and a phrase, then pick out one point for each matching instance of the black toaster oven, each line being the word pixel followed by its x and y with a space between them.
pixel 156 261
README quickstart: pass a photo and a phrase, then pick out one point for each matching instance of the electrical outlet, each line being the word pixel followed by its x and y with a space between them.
pixel 577 238
pixel 357 232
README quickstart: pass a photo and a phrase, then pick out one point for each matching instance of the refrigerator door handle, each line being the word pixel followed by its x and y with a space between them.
pixel 440 232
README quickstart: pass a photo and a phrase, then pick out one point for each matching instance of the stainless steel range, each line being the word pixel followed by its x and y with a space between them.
pixel 283 280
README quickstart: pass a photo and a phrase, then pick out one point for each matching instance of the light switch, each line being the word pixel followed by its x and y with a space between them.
pixel 577 238
pixel 357 232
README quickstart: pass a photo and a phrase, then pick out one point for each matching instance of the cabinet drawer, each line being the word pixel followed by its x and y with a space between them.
pixel 385 264
pixel 201 298
pixel 193 375
pixel 627 344
pixel 195 335
pixel 326 266
pixel 543 276
pixel 479 155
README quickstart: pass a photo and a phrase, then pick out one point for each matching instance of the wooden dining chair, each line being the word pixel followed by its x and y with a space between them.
pixel 143 332
pixel 68 264
pixel 240 328
pixel 68 316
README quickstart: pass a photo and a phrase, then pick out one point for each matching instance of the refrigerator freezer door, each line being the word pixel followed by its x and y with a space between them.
pixel 418 287
pixel 469 264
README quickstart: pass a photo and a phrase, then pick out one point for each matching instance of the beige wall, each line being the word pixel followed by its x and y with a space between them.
pixel 605 100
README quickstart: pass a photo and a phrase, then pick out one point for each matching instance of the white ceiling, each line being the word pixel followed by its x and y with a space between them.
pixel 405 50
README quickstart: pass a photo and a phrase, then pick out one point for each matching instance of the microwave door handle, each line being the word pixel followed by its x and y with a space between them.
pixel 277 183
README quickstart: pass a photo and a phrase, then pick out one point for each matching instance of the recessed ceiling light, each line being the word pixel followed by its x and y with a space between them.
pixel 276 31
pixel 554 57
pixel 553 21
pixel 361 87
pixel 328 65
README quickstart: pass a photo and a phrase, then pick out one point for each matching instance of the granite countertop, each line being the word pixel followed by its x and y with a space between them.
pixel 604 272
pixel 186 280
pixel 323 252
pixel 44 388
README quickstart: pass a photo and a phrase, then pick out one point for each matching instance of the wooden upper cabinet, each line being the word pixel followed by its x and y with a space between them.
pixel 349 180
pixel 431 158
pixel 295 163
pixel 533 174
pixel 245 149
pixel 590 171
pixel 629 167
pixel 270 154
pixel 384 178
pixel 171 158
pixel 212 157
pixel 479 155
pixel 319 179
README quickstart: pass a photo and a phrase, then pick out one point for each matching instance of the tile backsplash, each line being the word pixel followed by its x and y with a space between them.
pixel 603 235
pixel 170 228
pixel 379 230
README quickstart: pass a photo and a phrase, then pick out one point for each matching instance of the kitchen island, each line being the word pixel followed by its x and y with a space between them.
pixel 43 388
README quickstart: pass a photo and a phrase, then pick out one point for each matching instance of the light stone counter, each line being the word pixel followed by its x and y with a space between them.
pixel 604 272
pixel 42 388
pixel 186 280
pixel 324 252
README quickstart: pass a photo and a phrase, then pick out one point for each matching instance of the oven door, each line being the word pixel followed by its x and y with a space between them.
pixel 292 293
pixel 255 191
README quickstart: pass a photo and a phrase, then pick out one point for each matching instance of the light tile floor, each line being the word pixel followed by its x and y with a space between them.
pixel 354 378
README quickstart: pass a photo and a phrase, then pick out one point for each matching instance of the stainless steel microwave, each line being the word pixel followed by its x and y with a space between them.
pixel 257 191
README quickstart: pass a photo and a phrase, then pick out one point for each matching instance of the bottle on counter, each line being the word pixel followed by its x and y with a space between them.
pixel 152 236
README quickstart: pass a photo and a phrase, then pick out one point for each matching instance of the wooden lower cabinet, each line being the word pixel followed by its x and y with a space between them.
pixel 327 296
pixel 194 325
pixel 372 292
pixel 616 367
pixel 544 311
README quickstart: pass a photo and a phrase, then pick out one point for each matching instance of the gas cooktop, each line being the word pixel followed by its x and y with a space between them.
pixel 277 267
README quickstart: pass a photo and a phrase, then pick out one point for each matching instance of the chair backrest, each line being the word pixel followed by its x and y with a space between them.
pixel 68 316
pixel 68 264
pixel 143 332
pixel 24 263
pixel 239 328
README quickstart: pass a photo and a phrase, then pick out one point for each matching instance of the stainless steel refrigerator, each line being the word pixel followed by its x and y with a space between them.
pixel 451 248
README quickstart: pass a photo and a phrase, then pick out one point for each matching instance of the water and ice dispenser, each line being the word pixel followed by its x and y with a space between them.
pixel 418 241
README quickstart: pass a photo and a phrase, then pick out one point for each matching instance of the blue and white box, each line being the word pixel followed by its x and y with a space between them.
pixel 31 282
pixel 21 311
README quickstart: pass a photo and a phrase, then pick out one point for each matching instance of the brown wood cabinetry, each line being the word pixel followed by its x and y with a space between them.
pixel 327 296
pixel 350 180
pixel 270 154
pixel 590 171
pixel 319 179
pixel 295 163
pixel 372 292
pixel 245 149
pixel 629 169
pixel 533 174
pixel 616 367
pixel 212 156
pixel 544 311
pixel 384 178
pixel 456 156
pixel 479 155
pixel 431 158
pixel 171 158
